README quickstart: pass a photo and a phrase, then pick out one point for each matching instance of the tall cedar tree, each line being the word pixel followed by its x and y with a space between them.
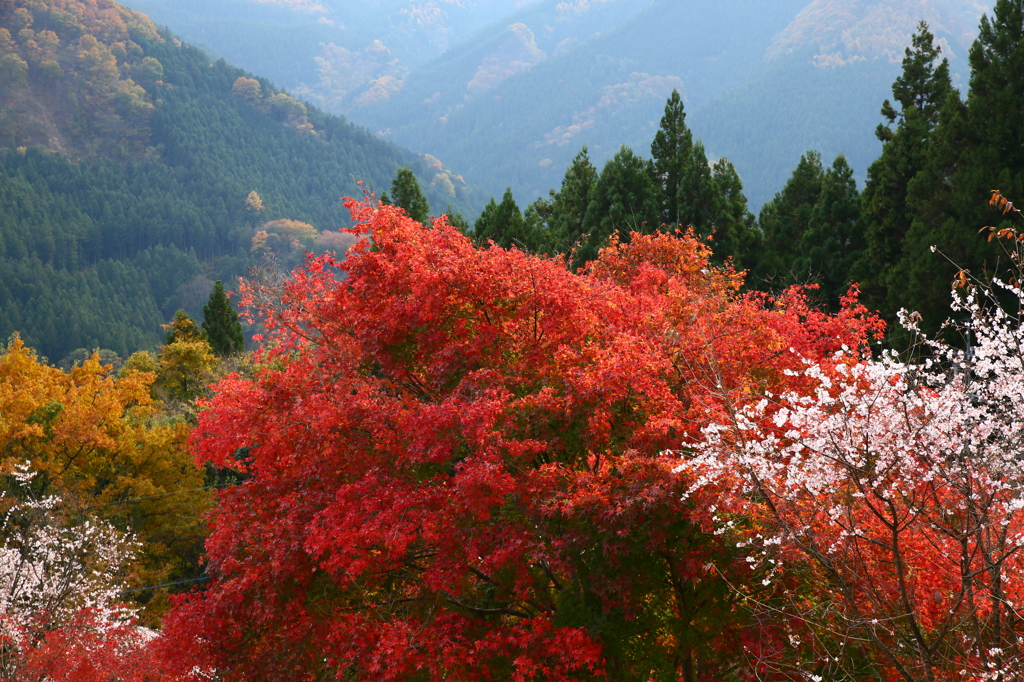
pixel 220 323
pixel 919 94
pixel 697 198
pixel 834 241
pixel 406 193
pixel 671 152
pixel 695 193
pixel 569 204
pixel 995 105
pixel 977 146
pixel 736 235
pixel 811 230
pixel 783 222
pixel 503 224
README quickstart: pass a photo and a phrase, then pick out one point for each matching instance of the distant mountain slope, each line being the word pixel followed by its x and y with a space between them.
pixel 822 83
pixel 127 161
pixel 763 83
pixel 600 88
pixel 329 51
pixel 511 104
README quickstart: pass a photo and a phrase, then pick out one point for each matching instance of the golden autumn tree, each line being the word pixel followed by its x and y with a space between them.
pixel 185 366
pixel 101 440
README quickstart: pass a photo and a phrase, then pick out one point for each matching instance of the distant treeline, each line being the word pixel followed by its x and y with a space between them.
pixel 942 156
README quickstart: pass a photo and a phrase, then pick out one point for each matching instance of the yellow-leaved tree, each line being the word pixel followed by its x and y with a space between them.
pixel 102 441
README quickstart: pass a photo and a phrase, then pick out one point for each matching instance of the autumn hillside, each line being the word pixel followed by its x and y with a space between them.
pixel 126 159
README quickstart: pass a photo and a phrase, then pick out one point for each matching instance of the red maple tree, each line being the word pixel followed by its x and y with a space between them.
pixel 455 471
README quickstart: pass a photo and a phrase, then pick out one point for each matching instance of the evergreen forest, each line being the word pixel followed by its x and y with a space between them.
pixel 127 161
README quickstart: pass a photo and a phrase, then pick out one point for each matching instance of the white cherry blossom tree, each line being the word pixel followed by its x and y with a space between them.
pixel 887 502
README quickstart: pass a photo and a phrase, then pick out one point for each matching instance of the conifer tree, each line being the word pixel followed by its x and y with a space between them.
pixel 976 147
pixel 919 93
pixel 995 105
pixel 503 224
pixel 220 323
pixel 697 198
pixel 624 200
pixel 783 222
pixel 671 152
pixel 736 235
pixel 834 240
pixel 692 192
pixel 569 204
pixel 406 193
pixel 811 231
pixel 920 279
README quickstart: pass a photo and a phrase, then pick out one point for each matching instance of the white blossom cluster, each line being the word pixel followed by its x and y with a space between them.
pixel 50 569
pixel 884 462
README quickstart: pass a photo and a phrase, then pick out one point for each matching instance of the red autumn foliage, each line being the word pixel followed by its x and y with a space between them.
pixel 88 648
pixel 455 464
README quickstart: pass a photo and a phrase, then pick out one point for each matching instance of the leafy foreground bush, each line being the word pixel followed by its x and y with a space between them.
pixel 455 468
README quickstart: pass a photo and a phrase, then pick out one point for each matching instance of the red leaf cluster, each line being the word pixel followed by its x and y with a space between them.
pixel 455 462
pixel 88 648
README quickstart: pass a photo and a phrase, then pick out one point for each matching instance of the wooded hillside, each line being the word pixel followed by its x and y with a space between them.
pixel 126 161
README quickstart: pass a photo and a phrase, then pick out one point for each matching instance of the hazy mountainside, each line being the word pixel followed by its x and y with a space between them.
pixel 600 89
pixel 821 83
pixel 510 104
pixel 764 84
pixel 133 172
pixel 329 51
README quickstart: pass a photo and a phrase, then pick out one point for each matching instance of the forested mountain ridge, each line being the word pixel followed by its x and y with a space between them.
pixel 764 82
pixel 127 165
pixel 70 91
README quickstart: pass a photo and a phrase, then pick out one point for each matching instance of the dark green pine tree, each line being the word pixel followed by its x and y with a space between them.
pixel 736 235
pixel 671 154
pixel 920 279
pixel 624 199
pixel 919 94
pixel 406 193
pixel 503 224
pixel 977 146
pixel 220 323
pixel 783 222
pixel 568 207
pixel 995 104
pixel 834 240
pixel 697 198
pixel 537 219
